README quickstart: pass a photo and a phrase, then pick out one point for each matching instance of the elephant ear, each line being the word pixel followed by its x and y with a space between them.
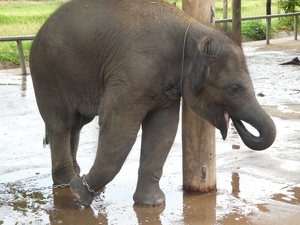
pixel 201 65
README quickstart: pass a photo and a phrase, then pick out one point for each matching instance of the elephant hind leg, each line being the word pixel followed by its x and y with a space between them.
pixel 62 164
pixel 64 142
pixel 75 135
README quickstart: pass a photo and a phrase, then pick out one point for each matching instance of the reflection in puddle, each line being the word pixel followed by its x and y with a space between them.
pixel 249 197
pixel 24 85
pixel 12 80
pixel 240 197
pixel 235 183
pixel 67 211
pixel 290 196
pixel 148 215
pixel 199 208
pixel 25 207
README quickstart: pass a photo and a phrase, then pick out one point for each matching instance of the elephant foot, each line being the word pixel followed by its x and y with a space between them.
pixel 76 169
pixel 149 198
pixel 81 191
pixel 76 166
pixel 63 177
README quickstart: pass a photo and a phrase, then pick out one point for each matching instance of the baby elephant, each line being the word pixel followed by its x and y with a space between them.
pixel 130 62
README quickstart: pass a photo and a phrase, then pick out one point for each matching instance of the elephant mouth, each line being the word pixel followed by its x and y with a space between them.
pixel 224 131
pixel 237 123
pixel 266 129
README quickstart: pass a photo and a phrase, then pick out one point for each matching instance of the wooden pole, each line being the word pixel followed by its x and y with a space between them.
pixel 198 136
pixel 236 22
pixel 199 9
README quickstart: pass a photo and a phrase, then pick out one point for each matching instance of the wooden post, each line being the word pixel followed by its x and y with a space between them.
pixel 198 136
pixel 199 9
pixel 236 22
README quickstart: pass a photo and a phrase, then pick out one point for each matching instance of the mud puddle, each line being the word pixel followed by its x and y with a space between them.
pixel 253 187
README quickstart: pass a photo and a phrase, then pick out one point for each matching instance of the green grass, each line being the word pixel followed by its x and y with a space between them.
pixel 255 29
pixel 18 18
pixel 249 7
pixel 22 18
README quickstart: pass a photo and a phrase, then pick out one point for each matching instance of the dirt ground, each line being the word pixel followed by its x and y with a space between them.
pixel 278 44
pixel 253 187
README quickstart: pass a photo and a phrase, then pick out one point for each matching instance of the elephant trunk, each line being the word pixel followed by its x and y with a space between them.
pixel 263 123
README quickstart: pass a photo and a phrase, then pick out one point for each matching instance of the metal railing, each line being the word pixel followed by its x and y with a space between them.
pixel 19 39
pixel 268 18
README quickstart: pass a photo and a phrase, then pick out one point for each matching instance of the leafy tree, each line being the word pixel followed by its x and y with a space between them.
pixel 290 6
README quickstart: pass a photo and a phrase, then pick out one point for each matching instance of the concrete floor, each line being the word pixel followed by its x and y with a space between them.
pixel 253 187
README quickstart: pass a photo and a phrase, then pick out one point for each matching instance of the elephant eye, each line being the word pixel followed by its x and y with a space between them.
pixel 233 90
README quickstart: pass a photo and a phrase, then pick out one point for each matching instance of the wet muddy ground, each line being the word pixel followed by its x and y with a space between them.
pixel 253 187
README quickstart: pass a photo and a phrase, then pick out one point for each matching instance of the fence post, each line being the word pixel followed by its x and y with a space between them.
pixel 268 30
pixel 22 59
pixel 236 22
pixel 295 27
pixel 225 10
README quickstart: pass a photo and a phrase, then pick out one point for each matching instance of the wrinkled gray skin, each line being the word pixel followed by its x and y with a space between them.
pixel 122 60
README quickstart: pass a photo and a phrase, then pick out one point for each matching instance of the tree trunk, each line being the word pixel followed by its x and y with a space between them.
pixel 268 7
pixel 198 136
pixel 236 22
pixel 225 14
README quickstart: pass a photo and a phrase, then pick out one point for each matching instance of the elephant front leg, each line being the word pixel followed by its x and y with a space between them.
pixel 117 135
pixel 159 130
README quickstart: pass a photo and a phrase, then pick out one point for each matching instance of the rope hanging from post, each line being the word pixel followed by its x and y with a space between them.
pixel 182 62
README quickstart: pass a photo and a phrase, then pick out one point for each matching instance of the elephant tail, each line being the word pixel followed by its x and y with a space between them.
pixel 45 140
